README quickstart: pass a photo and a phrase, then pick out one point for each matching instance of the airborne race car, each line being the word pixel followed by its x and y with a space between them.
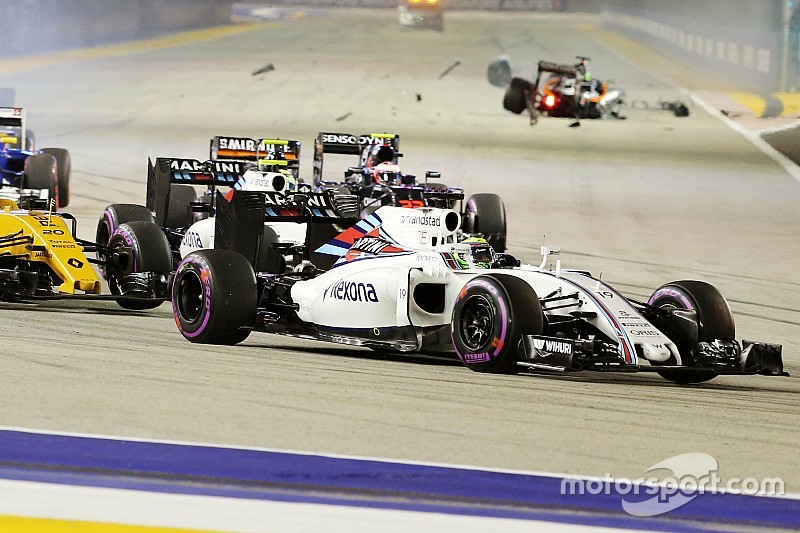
pixel 565 91
pixel 24 170
pixel 400 281
pixel 378 180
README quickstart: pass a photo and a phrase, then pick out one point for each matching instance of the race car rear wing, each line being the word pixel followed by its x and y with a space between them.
pixel 349 144
pixel 13 118
pixel 265 152
pixel 166 171
pixel 557 68
pixel 239 223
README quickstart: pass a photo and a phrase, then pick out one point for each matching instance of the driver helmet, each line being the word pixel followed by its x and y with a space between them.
pixel 587 76
pixel 483 255
pixel 382 153
pixel 387 173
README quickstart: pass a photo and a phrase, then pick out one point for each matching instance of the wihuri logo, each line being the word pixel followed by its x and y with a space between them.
pixel 351 291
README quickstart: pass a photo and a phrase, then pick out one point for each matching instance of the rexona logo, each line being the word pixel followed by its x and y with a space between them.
pixel 351 291
pixel 546 347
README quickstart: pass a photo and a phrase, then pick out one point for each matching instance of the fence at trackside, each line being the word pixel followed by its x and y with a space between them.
pixel 453 5
pixel 33 26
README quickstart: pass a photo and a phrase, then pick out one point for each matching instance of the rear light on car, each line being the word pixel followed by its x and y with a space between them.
pixel 549 100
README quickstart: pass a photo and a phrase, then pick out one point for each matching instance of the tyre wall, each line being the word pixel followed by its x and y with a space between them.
pixel 33 26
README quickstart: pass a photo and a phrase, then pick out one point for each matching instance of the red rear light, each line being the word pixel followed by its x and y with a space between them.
pixel 549 100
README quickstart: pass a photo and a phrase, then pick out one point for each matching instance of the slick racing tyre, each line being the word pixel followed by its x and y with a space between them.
pixel 149 254
pixel 488 323
pixel 179 213
pixel 113 216
pixel 63 172
pixel 40 173
pixel 499 72
pixel 215 297
pixel 30 141
pixel 714 321
pixel 515 99
pixel 486 214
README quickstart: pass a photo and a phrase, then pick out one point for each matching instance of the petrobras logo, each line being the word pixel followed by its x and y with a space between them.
pixel 420 220
pixel 351 291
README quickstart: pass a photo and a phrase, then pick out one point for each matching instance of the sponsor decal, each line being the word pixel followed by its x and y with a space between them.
pixel 191 165
pixel 645 333
pixel 477 357
pixel 75 263
pixel 545 347
pixel 351 291
pixel 192 239
pixel 420 220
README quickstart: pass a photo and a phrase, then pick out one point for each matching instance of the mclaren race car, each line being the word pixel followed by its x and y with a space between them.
pixel 399 280
pixel 187 218
pixel 22 168
pixel 377 180
pixel 41 259
pixel 566 91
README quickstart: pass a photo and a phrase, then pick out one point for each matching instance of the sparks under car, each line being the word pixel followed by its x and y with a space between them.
pixel 399 280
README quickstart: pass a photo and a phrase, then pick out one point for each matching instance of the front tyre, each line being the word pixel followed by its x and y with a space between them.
pixel 488 322
pixel 114 216
pixel 149 259
pixel 714 321
pixel 215 297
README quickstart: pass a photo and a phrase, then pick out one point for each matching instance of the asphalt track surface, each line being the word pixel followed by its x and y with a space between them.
pixel 646 200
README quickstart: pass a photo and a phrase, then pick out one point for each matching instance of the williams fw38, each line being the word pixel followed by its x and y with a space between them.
pixel 400 280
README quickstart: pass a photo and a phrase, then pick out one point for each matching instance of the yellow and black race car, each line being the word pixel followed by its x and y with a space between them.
pixel 42 259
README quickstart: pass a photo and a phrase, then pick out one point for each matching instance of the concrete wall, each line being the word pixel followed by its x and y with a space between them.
pixel 740 41
pixel 32 26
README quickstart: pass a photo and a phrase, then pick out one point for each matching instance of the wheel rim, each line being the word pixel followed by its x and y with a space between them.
pixel 477 322
pixel 190 296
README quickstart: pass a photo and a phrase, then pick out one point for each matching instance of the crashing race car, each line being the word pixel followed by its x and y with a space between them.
pixel 377 180
pixel 188 221
pixel 41 259
pixel 421 14
pixel 402 282
pixel 23 168
pixel 566 91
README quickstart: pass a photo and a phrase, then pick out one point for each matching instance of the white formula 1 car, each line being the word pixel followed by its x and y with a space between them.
pixel 400 281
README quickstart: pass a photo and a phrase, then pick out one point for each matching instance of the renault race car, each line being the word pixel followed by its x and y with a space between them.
pixel 188 220
pixel 565 91
pixel 421 14
pixel 46 171
pixel 400 281
pixel 41 259
pixel 378 180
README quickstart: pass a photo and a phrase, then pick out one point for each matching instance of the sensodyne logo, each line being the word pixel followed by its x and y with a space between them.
pixel 351 291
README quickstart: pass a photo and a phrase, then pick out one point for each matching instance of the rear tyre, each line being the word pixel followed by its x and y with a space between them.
pixel 215 297
pixel 488 323
pixel 499 72
pixel 149 253
pixel 40 173
pixel 179 213
pixel 63 173
pixel 486 214
pixel 515 99
pixel 714 321
pixel 30 141
pixel 113 216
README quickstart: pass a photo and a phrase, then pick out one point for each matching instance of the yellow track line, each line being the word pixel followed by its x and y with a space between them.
pixel 14 524
pixel 18 64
